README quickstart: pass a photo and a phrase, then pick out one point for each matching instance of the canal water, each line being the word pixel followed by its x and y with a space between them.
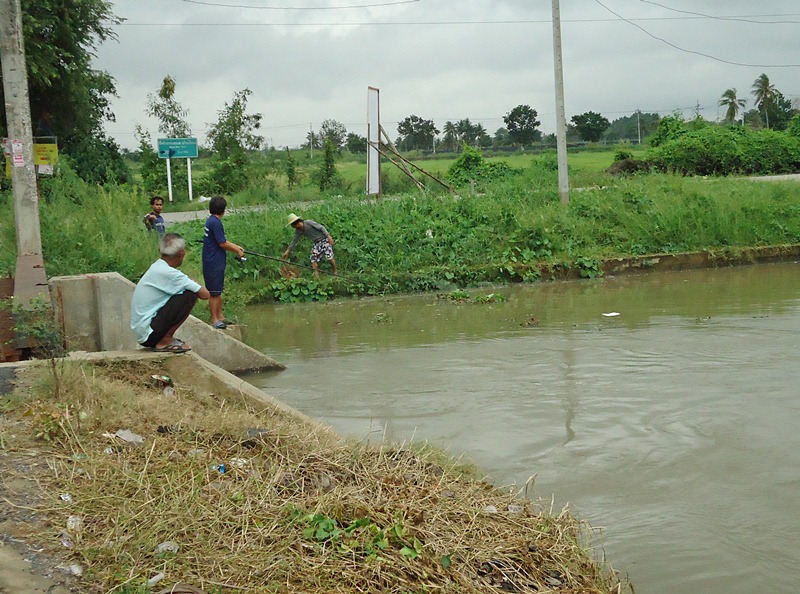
pixel 673 426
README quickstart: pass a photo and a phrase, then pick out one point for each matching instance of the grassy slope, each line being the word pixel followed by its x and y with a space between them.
pixel 295 510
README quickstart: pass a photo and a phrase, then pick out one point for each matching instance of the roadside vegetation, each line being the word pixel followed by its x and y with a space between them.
pixel 502 223
pixel 141 484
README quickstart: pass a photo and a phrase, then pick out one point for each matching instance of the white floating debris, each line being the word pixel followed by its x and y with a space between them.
pixel 611 314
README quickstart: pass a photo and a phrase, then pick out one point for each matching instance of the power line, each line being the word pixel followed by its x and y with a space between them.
pixel 394 3
pixel 669 43
pixel 696 16
pixel 743 18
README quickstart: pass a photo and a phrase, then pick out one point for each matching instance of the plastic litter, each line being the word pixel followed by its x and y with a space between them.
pixel 165 383
pixel 66 497
pixel 611 314
pixel 129 436
pixel 168 546
pixel 156 578
pixel 74 524
pixel 219 467
pixel 162 380
pixel 76 570
pixel 256 432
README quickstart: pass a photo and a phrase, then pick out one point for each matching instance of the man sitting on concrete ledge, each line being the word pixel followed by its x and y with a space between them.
pixel 164 298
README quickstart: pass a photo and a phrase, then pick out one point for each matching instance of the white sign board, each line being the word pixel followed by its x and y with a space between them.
pixel 373 141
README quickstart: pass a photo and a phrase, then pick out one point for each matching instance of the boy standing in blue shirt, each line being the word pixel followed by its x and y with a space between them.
pixel 153 220
pixel 215 244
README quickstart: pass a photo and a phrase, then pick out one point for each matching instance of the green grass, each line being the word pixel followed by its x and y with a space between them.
pixel 510 229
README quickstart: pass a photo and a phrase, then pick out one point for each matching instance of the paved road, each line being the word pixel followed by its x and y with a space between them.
pixel 787 177
pixel 197 215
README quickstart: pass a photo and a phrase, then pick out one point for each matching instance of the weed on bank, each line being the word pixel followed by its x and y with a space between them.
pixel 509 227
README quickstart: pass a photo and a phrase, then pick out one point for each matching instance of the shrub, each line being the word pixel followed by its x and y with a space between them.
pixel 471 165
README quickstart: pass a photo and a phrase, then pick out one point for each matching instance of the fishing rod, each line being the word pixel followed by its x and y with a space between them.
pixel 290 263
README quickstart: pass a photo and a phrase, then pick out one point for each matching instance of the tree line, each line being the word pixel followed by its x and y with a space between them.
pixel 71 101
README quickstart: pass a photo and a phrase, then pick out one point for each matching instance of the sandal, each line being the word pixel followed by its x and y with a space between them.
pixel 220 325
pixel 173 348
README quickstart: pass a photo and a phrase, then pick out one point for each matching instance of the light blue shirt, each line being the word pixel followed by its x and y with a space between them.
pixel 159 283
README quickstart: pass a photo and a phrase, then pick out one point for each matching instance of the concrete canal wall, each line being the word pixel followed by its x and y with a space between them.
pixel 94 312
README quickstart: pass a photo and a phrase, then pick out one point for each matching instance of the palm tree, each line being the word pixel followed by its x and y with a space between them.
pixel 450 136
pixel 732 103
pixel 764 93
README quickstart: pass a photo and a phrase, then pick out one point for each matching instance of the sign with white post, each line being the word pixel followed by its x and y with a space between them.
pixel 373 140
pixel 178 148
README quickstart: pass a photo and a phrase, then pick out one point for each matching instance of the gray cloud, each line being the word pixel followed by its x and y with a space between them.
pixel 310 65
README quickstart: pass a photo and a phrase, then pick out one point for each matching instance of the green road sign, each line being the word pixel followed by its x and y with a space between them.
pixel 177 148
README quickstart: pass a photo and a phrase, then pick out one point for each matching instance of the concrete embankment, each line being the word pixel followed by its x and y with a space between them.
pixel 94 311
pixel 679 261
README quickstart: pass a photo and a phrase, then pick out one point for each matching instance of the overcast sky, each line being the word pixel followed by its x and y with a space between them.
pixel 311 60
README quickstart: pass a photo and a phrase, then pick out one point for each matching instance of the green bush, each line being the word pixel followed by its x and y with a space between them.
pixel 471 165
pixel 768 151
pixel 727 150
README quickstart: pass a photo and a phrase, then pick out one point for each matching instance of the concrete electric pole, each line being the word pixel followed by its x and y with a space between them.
pixel 30 279
pixel 18 124
pixel 561 118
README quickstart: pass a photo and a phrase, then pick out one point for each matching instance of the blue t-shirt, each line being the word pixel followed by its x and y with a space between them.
pixel 157 225
pixel 213 235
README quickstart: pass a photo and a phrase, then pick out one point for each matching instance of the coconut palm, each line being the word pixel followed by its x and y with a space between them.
pixel 450 139
pixel 733 104
pixel 764 93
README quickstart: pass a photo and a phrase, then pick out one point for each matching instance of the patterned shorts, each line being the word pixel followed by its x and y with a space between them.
pixel 321 249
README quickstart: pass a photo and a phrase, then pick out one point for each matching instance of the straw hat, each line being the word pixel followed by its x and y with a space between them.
pixel 293 218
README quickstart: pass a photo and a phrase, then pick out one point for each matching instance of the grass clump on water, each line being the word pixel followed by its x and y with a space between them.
pixel 227 498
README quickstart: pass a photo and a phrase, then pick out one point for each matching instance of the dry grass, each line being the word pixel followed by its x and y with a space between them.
pixel 296 509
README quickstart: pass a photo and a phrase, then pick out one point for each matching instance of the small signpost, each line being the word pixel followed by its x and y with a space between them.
pixel 45 154
pixel 178 148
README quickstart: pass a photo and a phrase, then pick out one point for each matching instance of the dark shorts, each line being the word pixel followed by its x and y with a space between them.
pixel 175 311
pixel 214 280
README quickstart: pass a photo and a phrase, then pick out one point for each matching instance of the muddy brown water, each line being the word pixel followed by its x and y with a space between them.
pixel 672 426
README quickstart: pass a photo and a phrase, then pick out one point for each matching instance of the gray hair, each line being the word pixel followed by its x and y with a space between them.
pixel 171 245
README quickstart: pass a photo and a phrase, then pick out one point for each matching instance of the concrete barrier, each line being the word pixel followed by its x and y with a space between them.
pixel 94 312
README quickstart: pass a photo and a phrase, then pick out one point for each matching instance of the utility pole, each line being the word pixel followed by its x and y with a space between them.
pixel 18 124
pixel 561 118
pixel 639 125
